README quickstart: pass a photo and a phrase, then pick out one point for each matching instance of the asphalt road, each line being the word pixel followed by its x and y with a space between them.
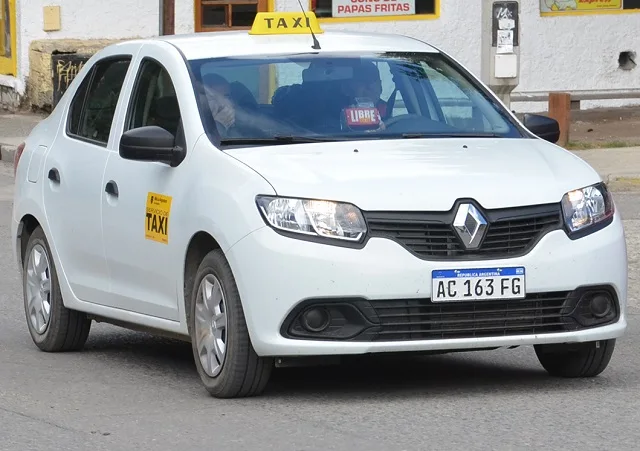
pixel 131 391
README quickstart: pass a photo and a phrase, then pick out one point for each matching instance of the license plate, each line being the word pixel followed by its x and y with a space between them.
pixel 478 284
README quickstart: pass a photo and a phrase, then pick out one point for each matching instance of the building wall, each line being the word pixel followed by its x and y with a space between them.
pixel 557 53
pixel 577 52
pixel 86 19
pixel 185 16
pixel 456 31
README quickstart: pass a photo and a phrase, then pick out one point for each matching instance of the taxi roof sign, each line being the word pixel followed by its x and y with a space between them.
pixel 285 23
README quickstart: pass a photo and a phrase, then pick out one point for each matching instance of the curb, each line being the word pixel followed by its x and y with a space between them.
pixel 7 152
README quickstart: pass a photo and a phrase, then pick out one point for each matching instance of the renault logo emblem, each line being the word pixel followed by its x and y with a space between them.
pixel 470 225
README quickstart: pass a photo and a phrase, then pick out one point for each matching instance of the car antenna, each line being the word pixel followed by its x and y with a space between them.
pixel 316 44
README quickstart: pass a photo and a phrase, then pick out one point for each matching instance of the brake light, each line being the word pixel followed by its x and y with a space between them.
pixel 16 157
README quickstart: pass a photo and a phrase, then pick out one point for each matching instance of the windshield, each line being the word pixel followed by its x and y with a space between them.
pixel 340 96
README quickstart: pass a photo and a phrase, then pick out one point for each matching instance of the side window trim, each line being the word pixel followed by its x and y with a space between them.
pixel 90 82
pixel 83 89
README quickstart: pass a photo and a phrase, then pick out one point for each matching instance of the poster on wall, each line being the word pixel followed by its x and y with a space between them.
pixel 505 26
pixel 590 6
pixel 364 8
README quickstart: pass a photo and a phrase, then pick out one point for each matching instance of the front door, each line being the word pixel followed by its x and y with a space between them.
pixel 73 171
pixel 140 205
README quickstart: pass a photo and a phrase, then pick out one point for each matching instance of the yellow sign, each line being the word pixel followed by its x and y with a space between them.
pixel 547 6
pixel 285 23
pixel 157 218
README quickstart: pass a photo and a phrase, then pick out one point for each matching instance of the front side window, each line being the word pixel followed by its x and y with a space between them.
pixel 94 105
pixel 154 100
pixel 343 96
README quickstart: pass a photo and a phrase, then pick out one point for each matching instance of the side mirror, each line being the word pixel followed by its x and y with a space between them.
pixel 150 143
pixel 542 126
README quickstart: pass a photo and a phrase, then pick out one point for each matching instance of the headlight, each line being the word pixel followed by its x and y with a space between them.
pixel 321 218
pixel 587 208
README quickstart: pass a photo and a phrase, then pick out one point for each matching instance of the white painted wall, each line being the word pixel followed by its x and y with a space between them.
pixel 557 53
pixel 457 31
pixel 85 19
pixel 185 19
pixel 576 52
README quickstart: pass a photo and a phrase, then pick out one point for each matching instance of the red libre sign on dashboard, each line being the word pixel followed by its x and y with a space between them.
pixel 358 117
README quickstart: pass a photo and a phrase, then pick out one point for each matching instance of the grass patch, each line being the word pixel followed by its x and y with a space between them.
pixel 581 145
pixel 625 184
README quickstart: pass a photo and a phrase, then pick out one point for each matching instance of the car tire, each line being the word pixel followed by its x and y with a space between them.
pixel 52 326
pixel 576 360
pixel 224 356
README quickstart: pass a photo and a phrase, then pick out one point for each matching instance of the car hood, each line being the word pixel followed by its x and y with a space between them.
pixel 421 174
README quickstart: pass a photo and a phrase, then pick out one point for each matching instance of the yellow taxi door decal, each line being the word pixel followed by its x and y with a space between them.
pixel 157 217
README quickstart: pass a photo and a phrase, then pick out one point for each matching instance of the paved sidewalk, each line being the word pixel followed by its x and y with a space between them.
pixel 611 164
pixel 13 129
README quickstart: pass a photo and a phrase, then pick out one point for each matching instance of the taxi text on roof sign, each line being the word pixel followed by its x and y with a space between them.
pixel 285 23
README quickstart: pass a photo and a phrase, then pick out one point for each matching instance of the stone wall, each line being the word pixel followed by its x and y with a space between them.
pixel 40 82
pixel 9 99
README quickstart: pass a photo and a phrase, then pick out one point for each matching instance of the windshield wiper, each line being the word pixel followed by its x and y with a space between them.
pixel 277 140
pixel 450 135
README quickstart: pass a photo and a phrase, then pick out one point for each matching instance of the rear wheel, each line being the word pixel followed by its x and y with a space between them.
pixel 576 360
pixel 225 359
pixel 52 326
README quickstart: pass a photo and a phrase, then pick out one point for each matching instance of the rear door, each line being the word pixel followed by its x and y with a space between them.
pixel 74 166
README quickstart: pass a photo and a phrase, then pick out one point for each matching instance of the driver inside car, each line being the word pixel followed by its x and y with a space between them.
pixel 367 84
pixel 238 119
pixel 218 92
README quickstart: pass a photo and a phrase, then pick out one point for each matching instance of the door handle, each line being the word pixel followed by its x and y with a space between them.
pixel 54 175
pixel 111 188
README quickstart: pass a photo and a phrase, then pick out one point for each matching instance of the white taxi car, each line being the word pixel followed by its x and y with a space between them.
pixel 276 195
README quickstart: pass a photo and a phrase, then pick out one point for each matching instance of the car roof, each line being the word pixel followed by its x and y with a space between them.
pixel 241 43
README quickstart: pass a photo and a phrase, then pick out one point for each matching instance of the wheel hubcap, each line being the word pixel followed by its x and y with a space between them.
pixel 38 289
pixel 211 325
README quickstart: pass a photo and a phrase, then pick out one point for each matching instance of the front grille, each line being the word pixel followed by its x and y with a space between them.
pixel 421 319
pixel 511 232
pixel 380 320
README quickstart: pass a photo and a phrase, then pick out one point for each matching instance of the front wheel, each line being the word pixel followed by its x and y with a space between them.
pixel 576 360
pixel 225 359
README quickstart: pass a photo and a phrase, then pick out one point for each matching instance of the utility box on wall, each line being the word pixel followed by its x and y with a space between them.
pixel 501 47
pixel 51 18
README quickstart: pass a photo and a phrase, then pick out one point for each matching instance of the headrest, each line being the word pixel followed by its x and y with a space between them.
pixel 167 107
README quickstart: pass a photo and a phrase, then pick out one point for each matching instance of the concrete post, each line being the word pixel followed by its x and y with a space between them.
pixel 501 47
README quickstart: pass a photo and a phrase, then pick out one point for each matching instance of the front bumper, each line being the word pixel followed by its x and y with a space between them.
pixel 276 275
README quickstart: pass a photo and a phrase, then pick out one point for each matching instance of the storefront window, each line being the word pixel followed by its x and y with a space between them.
pixel 214 15
pixel 370 9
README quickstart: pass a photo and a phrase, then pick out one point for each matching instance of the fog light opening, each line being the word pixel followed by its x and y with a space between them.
pixel 316 319
pixel 601 305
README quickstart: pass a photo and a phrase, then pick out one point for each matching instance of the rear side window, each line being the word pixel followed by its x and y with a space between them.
pixel 94 105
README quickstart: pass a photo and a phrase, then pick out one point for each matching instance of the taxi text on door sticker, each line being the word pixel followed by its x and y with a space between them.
pixel 156 220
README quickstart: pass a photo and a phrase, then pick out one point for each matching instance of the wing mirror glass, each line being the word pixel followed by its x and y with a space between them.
pixel 150 143
pixel 542 126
